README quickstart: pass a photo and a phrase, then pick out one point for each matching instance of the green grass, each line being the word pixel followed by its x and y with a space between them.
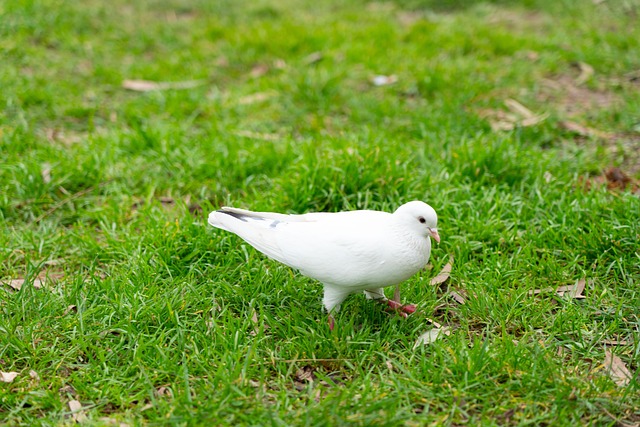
pixel 149 318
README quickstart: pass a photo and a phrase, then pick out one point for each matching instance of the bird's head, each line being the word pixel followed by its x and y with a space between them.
pixel 420 218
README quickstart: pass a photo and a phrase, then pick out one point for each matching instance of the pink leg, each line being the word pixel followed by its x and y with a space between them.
pixel 331 322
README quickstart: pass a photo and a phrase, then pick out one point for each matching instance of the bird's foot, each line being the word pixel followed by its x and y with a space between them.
pixel 403 310
pixel 332 322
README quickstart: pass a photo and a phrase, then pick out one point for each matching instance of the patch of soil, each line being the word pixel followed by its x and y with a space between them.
pixel 573 99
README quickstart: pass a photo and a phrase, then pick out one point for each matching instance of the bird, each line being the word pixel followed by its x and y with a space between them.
pixel 348 252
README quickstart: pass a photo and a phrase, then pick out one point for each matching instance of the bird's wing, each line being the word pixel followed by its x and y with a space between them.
pixel 330 247
pixel 344 251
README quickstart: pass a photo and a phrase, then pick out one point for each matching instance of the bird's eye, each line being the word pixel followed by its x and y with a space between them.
pixel 422 220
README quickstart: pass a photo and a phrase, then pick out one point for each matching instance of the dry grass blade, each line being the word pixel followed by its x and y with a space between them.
pixel 148 86
pixel 528 117
pixel 519 109
pixel 256 97
pixel 530 121
pixel 617 369
pixel 616 342
pixel 434 323
pixel 539 291
pixel 583 130
pixel 7 377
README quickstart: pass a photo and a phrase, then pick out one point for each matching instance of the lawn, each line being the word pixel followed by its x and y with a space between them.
pixel 123 124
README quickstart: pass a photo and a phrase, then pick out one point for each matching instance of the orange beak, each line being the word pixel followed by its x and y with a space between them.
pixel 433 232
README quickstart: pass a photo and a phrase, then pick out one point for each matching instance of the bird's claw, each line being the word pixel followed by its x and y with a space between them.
pixel 402 310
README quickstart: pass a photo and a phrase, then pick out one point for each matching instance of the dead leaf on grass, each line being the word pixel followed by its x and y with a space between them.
pixel 312 58
pixel 222 61
pixel 256 97
pixel 69 309
pixel 164 392
pixel 303 377
pixel 46 172
pixel 76 411
pixel 460 298
pixel 381 80
pixel 577 289
pixel 586 72
pixel 258 135
pixel 34 375
pixel 66 137
pixel 498 125
pixel 112 422
pixel 444 274
pixel 256 324
pixel 408 18
pixel 617 369
pixel 573 291
pixel 518 116
pixel 7 377
pixel 148 85
pixel 279 64
pixel 166 200
pixel 17 283
pixel 431 336
pixel 562 351
pixel 259 70
pixel 614 178
pixel 527 117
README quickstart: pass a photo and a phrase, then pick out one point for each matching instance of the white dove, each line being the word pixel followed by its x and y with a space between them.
pixel 347 251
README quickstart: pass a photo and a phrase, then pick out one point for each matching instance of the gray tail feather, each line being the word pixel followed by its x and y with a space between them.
pixel 235 214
